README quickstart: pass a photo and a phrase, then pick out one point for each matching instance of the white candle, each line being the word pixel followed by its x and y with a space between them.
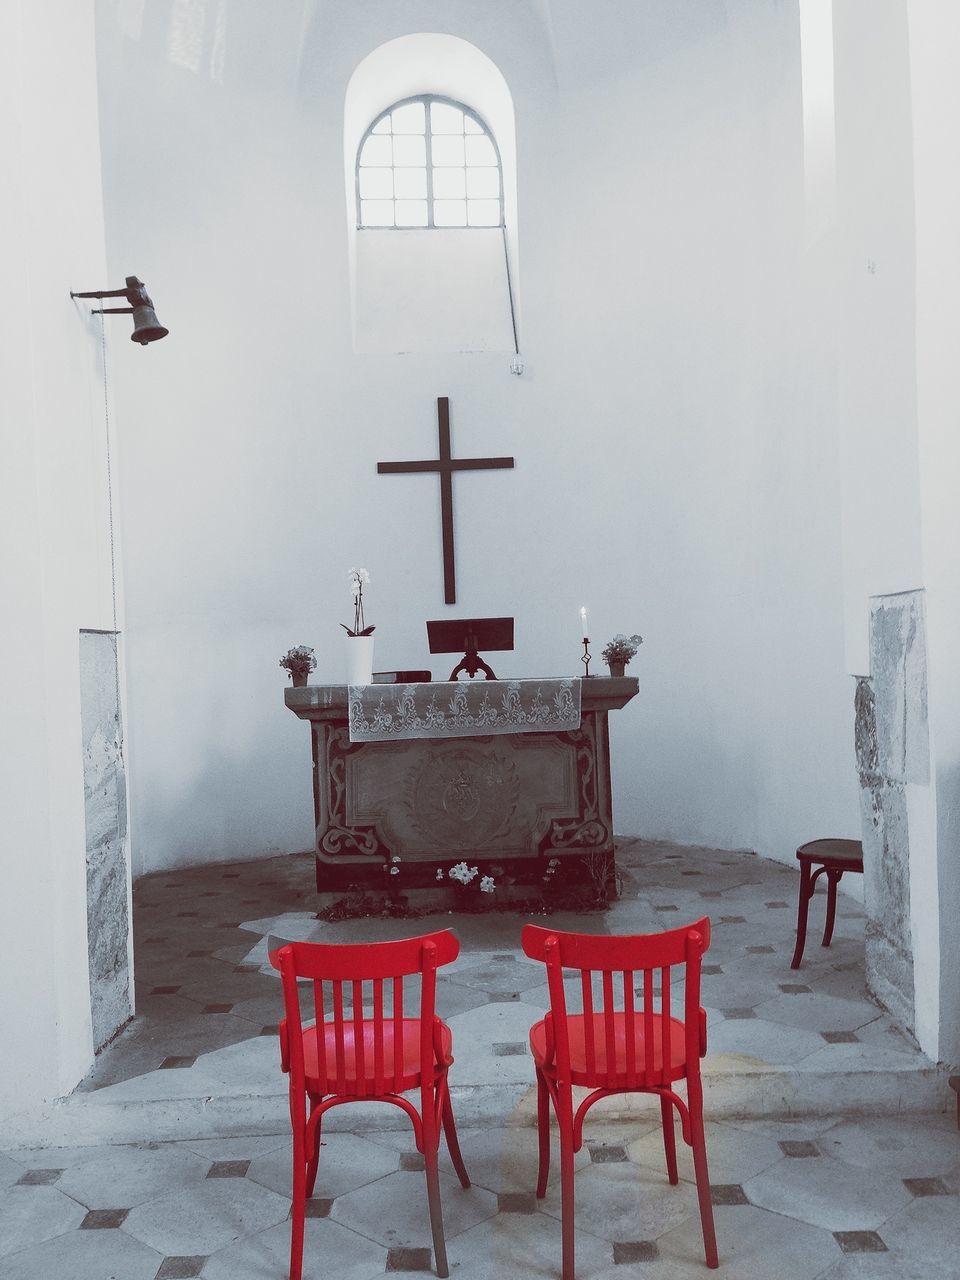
pixel 583 622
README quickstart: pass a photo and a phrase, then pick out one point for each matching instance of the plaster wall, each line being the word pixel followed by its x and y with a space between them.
pixel 934 44
pixel 674 440
pixel 53 532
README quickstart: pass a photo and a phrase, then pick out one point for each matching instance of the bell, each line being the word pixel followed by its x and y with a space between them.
pixel 146 326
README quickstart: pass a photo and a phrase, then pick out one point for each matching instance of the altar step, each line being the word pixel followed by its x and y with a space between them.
pixel 238 1088
pixel 782 1043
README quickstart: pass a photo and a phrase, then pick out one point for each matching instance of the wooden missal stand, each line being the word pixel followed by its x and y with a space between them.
pixel 450 635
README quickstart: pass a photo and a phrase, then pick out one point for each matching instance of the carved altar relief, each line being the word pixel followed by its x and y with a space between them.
pixel 433 799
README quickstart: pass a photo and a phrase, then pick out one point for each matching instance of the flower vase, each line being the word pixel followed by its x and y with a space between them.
pixel 359 659
pixel 299 679
pixel 617 668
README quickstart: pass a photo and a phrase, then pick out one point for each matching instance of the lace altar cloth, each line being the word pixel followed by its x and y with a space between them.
pixel 458 709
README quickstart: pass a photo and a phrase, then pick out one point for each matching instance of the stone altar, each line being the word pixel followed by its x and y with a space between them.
pixel 508 803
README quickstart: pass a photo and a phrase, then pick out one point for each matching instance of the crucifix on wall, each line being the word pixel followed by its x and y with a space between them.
pixel 445 465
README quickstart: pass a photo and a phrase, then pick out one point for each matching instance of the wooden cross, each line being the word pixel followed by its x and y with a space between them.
pixel 445 465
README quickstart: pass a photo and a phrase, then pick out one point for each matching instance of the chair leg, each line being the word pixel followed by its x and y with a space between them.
pixel 669 1140
pixel 436 1211
pixel 298 1211
pixel 568 1265
pixel 699 1144
pixel 453 1142
pixel 833 879
pixel 315 1158
pixel 803 905
pixel 543 1135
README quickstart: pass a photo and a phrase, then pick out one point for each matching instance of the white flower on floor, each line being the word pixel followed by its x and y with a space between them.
pixel 487 884
pixel 394 871
pixel 439 873
pixel 463 873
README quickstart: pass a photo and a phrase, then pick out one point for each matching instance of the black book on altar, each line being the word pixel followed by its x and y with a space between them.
pixel 402 677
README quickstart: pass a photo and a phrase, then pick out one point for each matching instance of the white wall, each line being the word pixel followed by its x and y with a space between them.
pixel 53 531
pixel 675 447
pixel 934 47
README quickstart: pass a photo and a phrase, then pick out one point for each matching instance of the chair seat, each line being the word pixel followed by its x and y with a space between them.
pixel 410 1056
pixel 832 851
pixel 617 1074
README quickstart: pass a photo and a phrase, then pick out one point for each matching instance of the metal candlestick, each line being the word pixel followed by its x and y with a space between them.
pixel 586 658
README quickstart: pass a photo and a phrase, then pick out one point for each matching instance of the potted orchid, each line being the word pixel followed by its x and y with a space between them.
pixel 360 635
pixel 618 652
pixel 299 662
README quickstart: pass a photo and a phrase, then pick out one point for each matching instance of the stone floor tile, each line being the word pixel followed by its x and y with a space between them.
pixel 181 1268
pixel 10 1171
pixel 829 1194
pixel 347 1161
pixel 524 1247
pixel 817 1012
pixel 330 1252
pixel 244 1148
pixel 909 1146
pixel 771 1042
pixel 860 1242
pixel 732 1154
pixel 498 1159
pixel 624 1201
pixel 206 1218
pixel 32 1214
pixel 103 1219
pixel 752 1244
pixel 393 1211
pixel 500 977
pixel 474 1034
pixel 85 1255
pixel 248 1064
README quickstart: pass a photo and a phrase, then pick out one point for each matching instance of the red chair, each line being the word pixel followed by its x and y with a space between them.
pixel 351 1056
pixel 625 1049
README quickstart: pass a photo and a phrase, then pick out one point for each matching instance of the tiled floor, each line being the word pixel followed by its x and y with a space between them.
pixel 173 1158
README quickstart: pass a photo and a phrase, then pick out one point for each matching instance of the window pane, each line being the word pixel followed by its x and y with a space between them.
pixel 484 213
pixel 409 119
pixel 377 150
pixel 409 184
pixel 383 126
pixel 411 213
pixel 483 183
pixel 450 213
pixel 409 151
pixel 480 151
pixel 376 184
pixel 376 213
pixel 449 184
pixel 445 119
pixel 470 125
pixel 448 150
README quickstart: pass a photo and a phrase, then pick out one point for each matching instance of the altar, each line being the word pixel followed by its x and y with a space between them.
pixel 515 805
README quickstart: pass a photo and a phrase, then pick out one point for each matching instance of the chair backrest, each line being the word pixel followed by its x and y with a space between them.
pixel 367 1054
pixel 609 1020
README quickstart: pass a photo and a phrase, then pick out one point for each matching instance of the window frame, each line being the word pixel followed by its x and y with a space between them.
pixel 427 99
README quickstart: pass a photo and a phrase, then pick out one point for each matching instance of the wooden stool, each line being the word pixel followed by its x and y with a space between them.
pixel 833 857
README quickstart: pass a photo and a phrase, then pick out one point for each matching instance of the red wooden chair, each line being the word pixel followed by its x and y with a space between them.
pixel 346 1056
pixel 626 1049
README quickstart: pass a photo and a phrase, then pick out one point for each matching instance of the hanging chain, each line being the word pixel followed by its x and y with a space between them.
pixel 113 555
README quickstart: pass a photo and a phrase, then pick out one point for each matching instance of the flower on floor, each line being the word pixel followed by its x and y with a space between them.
pixel 463 873
pixel 487 884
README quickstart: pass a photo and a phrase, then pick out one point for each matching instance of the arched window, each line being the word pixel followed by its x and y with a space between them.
pixel 429 162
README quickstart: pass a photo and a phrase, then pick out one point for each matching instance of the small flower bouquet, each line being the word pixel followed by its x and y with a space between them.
pixel 358 578
pixel 299 662
pixel 618 651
